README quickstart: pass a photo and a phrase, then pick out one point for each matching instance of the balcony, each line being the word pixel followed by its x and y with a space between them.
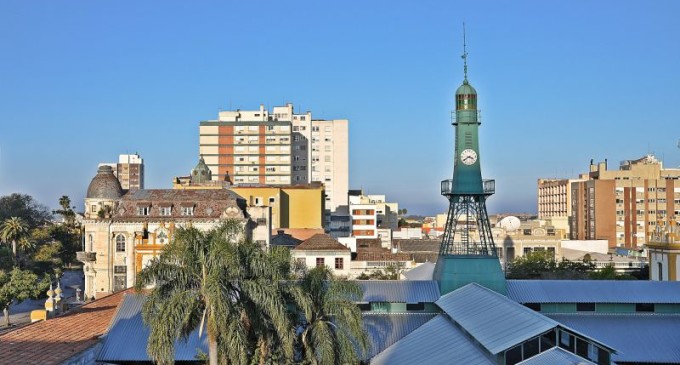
pixel 86 256
pixel 488 188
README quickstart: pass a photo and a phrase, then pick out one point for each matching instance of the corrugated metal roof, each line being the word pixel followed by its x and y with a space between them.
pixel 436 342
pixel 645 338
pixel 495 321
pixel 400 291
pixel 423 271
pixel 556 356
pixel 385 329
pixel 128 336
pixel 593 291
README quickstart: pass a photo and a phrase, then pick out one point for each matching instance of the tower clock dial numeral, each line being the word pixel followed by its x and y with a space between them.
pixel 468 156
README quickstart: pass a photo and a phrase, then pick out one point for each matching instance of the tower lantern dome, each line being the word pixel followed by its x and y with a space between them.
pixel 466 97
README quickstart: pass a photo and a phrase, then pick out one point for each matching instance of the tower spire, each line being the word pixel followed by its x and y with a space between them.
pixel 464 56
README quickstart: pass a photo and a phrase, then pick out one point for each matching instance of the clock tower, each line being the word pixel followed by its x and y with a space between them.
pixel 467 252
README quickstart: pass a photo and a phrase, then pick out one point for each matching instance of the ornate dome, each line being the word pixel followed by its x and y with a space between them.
pixel 201 173
pixel 104 185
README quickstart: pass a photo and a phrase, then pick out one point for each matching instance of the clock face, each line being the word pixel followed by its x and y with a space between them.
pixel 468 156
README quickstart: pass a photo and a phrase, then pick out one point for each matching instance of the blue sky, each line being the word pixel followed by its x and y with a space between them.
pixel 559 83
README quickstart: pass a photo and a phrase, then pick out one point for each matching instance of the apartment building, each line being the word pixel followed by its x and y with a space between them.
pixel 278 148
pixel 129 170
pixel 625 206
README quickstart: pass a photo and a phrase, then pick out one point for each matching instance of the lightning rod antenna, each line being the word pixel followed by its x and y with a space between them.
pixel 464 56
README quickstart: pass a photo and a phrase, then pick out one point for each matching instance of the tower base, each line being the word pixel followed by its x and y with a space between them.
pixel 456 271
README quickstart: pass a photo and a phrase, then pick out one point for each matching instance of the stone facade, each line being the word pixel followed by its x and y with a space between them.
pixel 124 230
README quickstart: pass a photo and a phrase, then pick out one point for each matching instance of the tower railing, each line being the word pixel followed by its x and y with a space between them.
pixel 488 187
pixel 453 117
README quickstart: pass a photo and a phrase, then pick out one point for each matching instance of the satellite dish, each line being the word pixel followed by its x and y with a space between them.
pixel 510 223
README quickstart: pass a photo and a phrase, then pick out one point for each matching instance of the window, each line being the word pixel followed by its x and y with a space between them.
pixel 188 211
pixel 533 306
pixel 644 307
pixel 120 243
pixel 143 210
pixel 119 277
pixel 94 208
pixel 165 211
pixel 90 240
pixel 364 307
pixel 320 261
pixel 415 306
pixel 585 307
pixel 315 129
pixel 339 263
pixel 272 200
pixel 301 261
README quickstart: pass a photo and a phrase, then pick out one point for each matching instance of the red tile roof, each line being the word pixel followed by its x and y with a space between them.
pixel 299 233
pixel 58 339
pixel 321 242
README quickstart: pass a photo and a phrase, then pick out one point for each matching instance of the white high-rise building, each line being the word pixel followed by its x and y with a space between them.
pixel 278 148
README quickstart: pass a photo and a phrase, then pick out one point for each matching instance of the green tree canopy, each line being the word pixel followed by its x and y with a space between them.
pixel 221 283
pixel 24 207
pixel 332 329
pixel 19 285
pixel 542 265
pixel 12 230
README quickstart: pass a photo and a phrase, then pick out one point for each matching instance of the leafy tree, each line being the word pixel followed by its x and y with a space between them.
pixel 332 328
pixel 66 212
pixel 11 230
pixel 542 265
pixel 19 285
pixel 609 273
pixel 24 207
pixel 218 282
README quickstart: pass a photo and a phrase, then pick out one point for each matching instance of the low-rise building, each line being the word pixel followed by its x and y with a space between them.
pixel 322 249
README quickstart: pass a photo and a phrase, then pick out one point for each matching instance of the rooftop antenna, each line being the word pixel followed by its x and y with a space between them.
pixel 464 56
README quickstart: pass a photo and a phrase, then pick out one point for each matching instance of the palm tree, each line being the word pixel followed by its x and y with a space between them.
pixel 215 281
pixel 332 332
pixel 12 229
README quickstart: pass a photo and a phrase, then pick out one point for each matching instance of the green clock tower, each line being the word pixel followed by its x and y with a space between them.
pixel 467 253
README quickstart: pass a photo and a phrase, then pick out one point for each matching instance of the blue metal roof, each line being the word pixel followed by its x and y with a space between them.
pixel 400 291
pixel 438 341
pixel 385 329
pixel 495 321
pixel 594 291
pixel 556 356
pixel 645 338
pixel 423 271
pixel 127 337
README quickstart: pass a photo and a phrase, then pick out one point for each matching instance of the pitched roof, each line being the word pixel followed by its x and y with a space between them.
pixel 321 242
pixel 438 341
pixel 399 291
pixel 207 203
pixel 496 322
pixel 299 233
pixel 594 291
pixel 639 338
pixel 423 271
pixel 127 338
pixel 556 356
pixel 58 339
pixel 384 329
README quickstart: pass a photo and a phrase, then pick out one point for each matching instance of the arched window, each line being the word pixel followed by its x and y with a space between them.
pixel 90 243
pixel 120 243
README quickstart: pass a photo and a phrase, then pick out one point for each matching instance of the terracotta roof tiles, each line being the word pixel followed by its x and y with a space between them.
pixel 58 339
pixel 321 242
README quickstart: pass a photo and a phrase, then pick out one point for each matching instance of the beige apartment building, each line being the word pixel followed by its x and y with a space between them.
pixel 129 170
pixel 625 206
pixel 278 148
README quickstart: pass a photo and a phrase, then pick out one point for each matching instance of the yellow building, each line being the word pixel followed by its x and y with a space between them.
pixel 664 248
pixel 293 206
